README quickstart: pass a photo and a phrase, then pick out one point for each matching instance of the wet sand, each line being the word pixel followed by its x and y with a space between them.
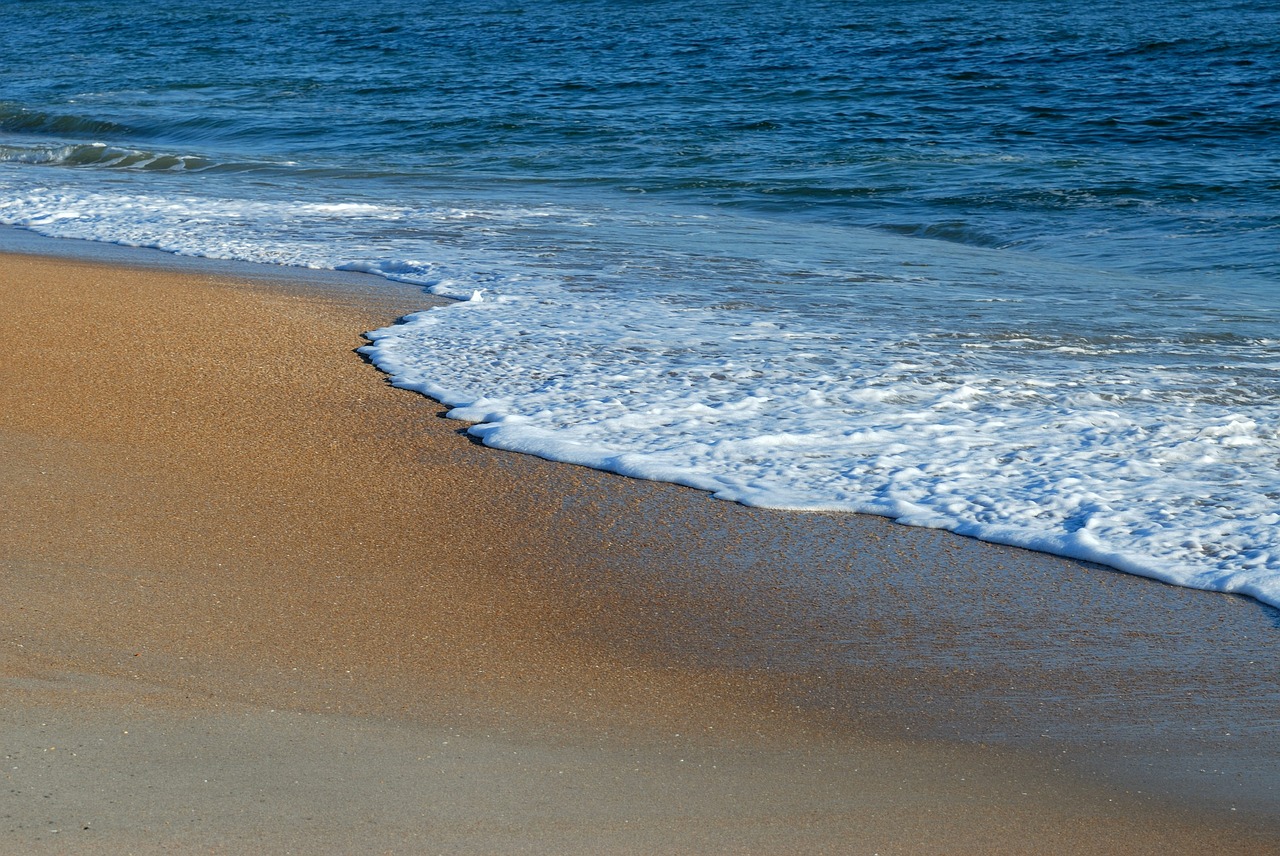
pixel 259 601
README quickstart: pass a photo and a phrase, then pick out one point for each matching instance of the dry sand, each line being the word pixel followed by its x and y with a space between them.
pixel 255 600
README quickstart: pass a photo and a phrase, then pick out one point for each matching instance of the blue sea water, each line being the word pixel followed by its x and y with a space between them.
pixel 1004 268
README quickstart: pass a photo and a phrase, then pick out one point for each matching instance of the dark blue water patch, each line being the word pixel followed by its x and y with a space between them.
pixel 1031 126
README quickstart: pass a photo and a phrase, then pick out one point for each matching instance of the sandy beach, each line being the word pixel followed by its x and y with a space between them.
pixel 258 601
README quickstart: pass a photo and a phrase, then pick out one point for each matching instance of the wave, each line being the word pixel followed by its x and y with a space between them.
pixel 104 156
pixel 1083 454
pixel 17 119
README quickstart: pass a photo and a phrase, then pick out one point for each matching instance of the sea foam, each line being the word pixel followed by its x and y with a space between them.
pixel 1108 463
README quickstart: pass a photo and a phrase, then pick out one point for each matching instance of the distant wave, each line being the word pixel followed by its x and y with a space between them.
pixel 104 156
pixel 17 119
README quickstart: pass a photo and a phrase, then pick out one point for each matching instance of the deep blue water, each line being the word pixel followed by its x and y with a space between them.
pixel 1137 135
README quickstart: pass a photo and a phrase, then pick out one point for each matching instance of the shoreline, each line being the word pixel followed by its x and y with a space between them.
pixel 296 536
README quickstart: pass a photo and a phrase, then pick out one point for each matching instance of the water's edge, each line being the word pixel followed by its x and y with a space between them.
pixel 421 299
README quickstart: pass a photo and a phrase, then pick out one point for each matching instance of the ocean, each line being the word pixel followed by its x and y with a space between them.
pixel 1009 269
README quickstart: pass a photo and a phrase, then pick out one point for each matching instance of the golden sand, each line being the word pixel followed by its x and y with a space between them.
pixel 256 600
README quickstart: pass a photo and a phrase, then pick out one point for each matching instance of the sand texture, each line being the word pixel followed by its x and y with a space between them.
pixel 258 601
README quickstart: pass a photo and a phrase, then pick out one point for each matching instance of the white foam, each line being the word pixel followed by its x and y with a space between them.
pixel 1182 490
